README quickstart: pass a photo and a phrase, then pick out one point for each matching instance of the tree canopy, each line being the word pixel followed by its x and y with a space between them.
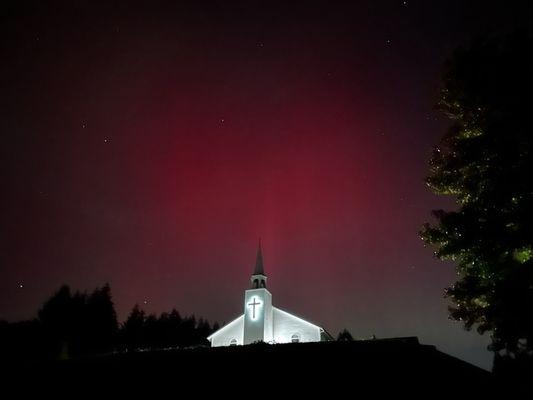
pixel 77 324
pixel 486 161
pixel 345 336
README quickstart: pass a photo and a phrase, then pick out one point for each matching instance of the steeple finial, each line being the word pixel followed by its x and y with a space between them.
pixel 259 261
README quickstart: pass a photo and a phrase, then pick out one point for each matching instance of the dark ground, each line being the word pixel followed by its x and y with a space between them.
pixel 399 366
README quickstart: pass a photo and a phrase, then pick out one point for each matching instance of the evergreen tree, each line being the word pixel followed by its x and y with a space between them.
pixel 101 320
pixel 76 324
pixel 151 332
pixel 57 319
pixel 203 330
pixel 345 336
pixel 175 332
pixel 133 329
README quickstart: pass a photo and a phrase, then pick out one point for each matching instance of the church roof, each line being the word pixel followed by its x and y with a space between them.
pixel 237 321
pixel 259 270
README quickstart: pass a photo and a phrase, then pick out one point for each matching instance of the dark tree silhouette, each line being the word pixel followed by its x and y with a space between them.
pixel 57 317
pixel 345 336
pixel 174 331
pixel 485 162
pixel 76 324
pixel 132 332
pixel 169 330
pixel 80 324
pixel 203 329
pixel 100 321
pixel 22 340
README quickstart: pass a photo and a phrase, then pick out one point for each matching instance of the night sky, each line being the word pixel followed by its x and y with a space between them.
pixel 150 145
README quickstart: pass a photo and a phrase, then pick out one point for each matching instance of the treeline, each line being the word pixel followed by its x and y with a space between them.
pixel 169 330
pixel 82 324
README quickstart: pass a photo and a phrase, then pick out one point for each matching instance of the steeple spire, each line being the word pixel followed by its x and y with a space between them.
pixel 259 278
pixel 259 261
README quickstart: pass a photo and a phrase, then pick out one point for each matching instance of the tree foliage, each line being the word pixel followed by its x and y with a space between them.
pixel 81 324
pixel 169 330
pixel 345 336
pixel 486 162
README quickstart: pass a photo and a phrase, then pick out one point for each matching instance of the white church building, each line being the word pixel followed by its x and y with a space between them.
pixel 262 321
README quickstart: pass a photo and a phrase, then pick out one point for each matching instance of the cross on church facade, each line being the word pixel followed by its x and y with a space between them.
pixel 253 304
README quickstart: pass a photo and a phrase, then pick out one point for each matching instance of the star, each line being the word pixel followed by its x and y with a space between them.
pixel 84 125
pixel 145 301
pixel 106 140
pixel 388 41
pixel 222 120
pixel 21 285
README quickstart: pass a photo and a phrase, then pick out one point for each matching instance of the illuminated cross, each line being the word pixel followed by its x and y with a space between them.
pixel 253 304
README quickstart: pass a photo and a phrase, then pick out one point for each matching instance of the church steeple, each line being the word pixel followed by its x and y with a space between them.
pixel 259 261
pixel 259 278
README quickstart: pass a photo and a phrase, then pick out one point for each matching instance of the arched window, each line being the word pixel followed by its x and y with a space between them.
pixel 295 338
pixel 233 342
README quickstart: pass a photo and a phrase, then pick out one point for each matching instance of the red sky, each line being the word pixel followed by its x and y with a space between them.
pixel 149 147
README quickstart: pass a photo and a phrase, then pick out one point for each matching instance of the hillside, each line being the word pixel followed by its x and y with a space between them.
pixel 402 365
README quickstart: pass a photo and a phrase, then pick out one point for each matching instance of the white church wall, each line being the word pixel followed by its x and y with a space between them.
pixel 286 325
pixel 232 331
pixel 269 321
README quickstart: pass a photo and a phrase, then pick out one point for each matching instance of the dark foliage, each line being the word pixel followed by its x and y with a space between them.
pixel 170 330
pixel 345 336
pixel 72 325
pixel 485 162
pixel 80 323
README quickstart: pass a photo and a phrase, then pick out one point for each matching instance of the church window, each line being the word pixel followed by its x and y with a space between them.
pixel 233 342
pixel 295 338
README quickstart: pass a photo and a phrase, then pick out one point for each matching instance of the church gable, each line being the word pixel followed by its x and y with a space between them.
pixel 290 328
pixel 230 334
